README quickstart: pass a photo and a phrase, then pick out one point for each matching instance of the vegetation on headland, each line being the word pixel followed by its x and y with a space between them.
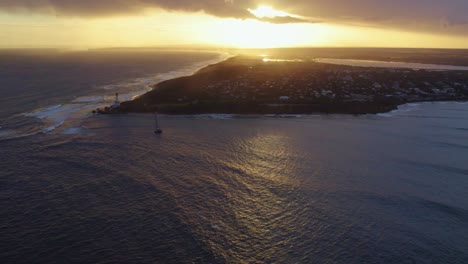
pixel 250 85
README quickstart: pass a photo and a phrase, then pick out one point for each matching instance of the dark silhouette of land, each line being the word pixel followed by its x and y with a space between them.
pixel 251 85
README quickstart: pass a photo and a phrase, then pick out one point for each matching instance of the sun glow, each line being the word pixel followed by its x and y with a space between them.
pixel 257 34
pixel 268 11
pixel 166 29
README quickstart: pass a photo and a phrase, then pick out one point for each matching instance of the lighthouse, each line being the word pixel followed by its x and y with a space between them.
pixel 117 102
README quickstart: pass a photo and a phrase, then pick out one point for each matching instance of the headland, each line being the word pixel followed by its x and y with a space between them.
pixel 255 85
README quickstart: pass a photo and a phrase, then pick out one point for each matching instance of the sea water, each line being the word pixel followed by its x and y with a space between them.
pixel 387 188
pixel 44 90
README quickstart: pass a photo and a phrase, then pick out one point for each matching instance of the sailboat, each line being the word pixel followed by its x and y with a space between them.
pixel 157 129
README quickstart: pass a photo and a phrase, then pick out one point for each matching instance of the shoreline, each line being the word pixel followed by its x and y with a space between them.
pixel 391 64
pixel 194 94
pixel 76 109
pixel 297 115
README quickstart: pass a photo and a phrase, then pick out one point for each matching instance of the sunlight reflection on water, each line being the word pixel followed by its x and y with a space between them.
pixel 265 167
pixel 391 64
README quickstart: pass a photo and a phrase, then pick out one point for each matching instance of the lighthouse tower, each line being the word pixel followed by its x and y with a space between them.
pixel 117 102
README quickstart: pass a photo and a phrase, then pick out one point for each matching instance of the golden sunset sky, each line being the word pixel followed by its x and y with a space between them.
pixel 231 23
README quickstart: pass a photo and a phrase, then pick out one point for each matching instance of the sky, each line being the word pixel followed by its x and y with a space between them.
pixel 234 23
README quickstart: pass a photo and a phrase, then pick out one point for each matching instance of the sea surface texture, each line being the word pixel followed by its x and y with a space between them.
pixel 389 188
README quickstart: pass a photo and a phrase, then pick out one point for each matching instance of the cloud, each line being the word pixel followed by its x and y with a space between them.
pixel 287 20
pixel 448 16
pixel 230 8
pixel 84 8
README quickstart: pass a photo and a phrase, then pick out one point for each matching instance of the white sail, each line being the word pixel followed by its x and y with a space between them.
pixel 156 121
pixel 157 129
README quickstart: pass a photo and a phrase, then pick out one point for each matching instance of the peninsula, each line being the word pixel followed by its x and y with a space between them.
pixel 256 85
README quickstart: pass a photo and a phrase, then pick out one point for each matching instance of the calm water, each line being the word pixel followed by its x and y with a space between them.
pixel 390 188
pixel 389 64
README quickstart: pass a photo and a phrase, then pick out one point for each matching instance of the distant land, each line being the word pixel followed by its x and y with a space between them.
pixel 456 57
pixel 276 85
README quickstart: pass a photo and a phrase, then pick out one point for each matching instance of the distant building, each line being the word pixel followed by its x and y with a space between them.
pixel 117 102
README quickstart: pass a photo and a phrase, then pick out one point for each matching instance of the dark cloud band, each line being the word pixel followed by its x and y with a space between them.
pixel 447 16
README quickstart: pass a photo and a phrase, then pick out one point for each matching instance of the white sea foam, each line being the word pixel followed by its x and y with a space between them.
pixel 385 114
pixel 131 89
pixel 89 99
pixel 55 117
pixel 44 112
pixel 60 112
pixel 405 108
pixel 58 115
pixel 53 127
pixel 73 131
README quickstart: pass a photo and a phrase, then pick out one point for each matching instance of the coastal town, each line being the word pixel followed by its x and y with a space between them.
pixel 341 83
pixel 263 86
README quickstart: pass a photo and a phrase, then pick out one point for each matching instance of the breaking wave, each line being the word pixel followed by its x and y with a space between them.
pixel 70 114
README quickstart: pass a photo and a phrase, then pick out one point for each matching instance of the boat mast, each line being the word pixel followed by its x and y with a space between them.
pixel 157 129
pixel 156 121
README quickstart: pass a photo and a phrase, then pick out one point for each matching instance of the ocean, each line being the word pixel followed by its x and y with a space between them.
pixel 81 188
pixel 57 87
